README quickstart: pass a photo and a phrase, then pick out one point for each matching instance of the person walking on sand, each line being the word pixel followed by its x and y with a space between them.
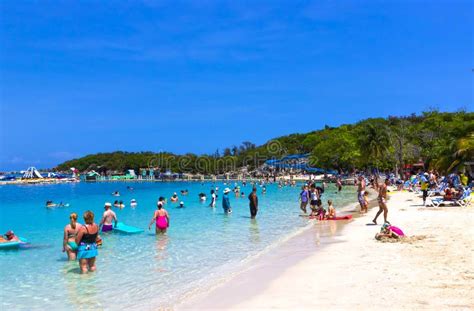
pixel 107 217
pixel 382 198
pixel 424 182
pixel 360 192
pixel 253 203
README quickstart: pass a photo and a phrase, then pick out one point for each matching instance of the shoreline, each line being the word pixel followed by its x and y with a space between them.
pixel 357 271
pixel 289 252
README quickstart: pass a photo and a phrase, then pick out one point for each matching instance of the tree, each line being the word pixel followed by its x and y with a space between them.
pixel 375 142
pixel 338 149
pixel 460 151
pixel 227 152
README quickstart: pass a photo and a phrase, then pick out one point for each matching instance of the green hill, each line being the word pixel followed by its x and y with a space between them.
pixel 441 140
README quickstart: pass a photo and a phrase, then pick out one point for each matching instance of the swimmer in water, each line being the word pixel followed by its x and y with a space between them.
pixel 10 237
pixel 174 198
pixel 181 204
pixel 161 218
pixel 50 204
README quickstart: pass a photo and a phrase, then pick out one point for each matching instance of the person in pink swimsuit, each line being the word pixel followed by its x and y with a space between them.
pixel 389 231
pixel 160 218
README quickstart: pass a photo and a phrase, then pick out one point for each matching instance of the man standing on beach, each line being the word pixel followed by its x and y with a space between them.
pixel 253 203
pixel 382 198
pixel 360 192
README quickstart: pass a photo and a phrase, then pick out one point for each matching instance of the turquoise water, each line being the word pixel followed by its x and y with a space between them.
pixel 142 271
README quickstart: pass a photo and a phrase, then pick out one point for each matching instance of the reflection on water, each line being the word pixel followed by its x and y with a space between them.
pixel 161 252
pixel 332 227
pixel 254 231
pixel 81 289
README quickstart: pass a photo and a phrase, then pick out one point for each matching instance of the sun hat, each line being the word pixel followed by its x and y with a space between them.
pixel 108 204
pixel 226 190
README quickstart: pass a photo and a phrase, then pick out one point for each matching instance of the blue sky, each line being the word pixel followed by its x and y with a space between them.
pixel 79 77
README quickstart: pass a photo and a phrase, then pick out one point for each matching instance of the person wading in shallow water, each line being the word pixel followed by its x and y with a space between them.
pixel 304 198
pixel 226 202
pixel 253 203
pixel 382 198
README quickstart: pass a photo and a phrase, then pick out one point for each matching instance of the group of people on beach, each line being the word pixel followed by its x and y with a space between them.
pixel 311 194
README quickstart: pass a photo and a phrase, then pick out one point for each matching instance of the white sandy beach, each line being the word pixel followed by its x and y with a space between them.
pixel 355 271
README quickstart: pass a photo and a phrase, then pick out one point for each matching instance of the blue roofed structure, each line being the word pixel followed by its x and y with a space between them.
pixel 297 162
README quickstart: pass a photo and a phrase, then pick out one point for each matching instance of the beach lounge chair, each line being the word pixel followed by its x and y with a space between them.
pixel 438 190
pixel 464 200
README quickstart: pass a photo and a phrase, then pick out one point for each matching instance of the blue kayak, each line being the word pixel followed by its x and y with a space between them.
pixel 123 228
pixel 12 245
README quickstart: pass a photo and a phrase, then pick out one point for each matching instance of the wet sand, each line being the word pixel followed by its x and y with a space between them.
pixel 343 267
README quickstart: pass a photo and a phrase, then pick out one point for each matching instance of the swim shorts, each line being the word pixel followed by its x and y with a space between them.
pixel 107 228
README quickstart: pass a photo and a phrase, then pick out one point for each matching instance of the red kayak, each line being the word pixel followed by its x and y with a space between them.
pixel 345 217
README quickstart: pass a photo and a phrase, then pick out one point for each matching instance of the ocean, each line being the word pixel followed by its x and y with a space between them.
pixel 142 271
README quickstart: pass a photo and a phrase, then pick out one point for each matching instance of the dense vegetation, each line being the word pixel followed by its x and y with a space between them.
pixel 441 140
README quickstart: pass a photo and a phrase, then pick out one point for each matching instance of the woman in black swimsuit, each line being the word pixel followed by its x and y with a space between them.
pixel 86 241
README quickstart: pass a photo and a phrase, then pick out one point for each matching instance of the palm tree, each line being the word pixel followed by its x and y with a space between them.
pixel 375 142
pixel 458 152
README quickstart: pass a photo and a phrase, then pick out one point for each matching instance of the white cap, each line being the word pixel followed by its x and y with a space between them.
pixel 108 204
pixel 226 190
